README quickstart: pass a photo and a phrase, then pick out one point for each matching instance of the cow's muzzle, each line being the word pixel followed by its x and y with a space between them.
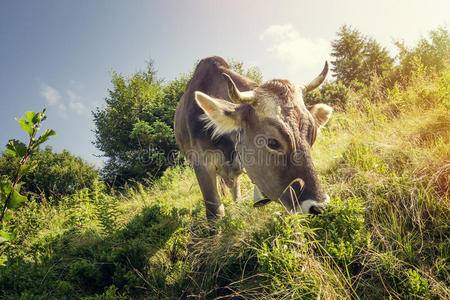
pixel 314 207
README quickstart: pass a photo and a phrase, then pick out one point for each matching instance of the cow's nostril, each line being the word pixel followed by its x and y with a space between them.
pixel 315 210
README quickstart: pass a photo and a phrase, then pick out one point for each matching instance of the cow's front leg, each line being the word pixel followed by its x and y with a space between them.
pixel 236 189
pixel 206 177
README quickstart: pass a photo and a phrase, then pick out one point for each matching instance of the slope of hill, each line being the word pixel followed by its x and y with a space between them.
pixel 385 162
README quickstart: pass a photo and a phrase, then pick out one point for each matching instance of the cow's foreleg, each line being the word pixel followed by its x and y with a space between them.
pixel 223 187
pixel 236 189
pixel 206 177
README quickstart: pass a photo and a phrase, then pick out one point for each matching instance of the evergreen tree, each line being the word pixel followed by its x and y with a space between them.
pixel 357 58
pixel 376 60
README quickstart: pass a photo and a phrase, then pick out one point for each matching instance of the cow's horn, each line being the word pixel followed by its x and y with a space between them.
pixel 317 81
pixel 235 95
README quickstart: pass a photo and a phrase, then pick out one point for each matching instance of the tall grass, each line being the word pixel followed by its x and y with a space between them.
pixel 385 162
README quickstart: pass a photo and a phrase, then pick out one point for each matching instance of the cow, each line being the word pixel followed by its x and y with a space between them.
pixel 226 123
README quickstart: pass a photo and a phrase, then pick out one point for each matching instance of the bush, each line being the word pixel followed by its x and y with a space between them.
pixel 341 229
pixel 52 174
pixel 432 52
pixel 135 128
pixel 333 93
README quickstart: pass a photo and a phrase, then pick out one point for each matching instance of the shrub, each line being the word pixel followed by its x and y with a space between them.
pixel 334 93
pixel 417 286
pixel 341 229
pixel 135 128
pixel 52 174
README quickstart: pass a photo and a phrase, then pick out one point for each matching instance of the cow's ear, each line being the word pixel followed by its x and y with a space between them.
pixel 321 114
pixel 220 114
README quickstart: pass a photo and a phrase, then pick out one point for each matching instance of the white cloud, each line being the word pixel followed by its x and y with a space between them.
pixel 290 48
pixel 78 107
pixel 74 102
pixel 50 94
pixel 72 95
pixel 71 102
pixel 76 84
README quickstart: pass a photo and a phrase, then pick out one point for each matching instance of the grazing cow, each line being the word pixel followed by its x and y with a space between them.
pixel 225 123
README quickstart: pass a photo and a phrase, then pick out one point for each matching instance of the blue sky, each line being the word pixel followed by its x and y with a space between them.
pixel 59 54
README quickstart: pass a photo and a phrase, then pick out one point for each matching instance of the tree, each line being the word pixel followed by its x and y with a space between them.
pixel 54 174
pixel 433 53
pixel 358 58
pixel 135 129
pixel 253 73
pixel 348 52
pixel 376 61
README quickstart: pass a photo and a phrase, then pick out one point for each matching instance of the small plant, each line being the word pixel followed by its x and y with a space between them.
pixel 282 251
pixel 417 286
pixel 10 198
pixel 106 209
pixel 444 90
pixel 341 229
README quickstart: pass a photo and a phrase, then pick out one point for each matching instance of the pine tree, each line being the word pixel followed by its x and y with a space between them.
pixel 358 58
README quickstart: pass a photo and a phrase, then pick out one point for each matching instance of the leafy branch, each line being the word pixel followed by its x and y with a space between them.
pixel 9 195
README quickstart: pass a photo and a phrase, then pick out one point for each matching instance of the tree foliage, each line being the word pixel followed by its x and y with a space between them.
pixel 135 128
pixel 50 173
pixel 253 72
pixel 357 57
pixel 333 93
pixel 433 53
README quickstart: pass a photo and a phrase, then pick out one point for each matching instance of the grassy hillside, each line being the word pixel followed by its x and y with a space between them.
pixel 385 161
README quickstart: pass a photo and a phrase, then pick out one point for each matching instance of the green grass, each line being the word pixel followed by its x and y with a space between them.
pixel 385 235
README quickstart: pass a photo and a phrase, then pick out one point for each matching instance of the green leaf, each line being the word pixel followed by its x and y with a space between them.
pixel 49 132
pixel 2 241
pixel 7 216
pixel 8 236
pixel 26 126
pixel 32 117
pixel 24 170
pixel 16 148
pixel 16 200
pixel 44 137
pixel 5 188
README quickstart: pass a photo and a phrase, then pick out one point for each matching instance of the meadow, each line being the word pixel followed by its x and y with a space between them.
pixel 384 158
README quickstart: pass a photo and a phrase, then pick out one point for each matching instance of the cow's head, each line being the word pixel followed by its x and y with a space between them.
pixel 276 132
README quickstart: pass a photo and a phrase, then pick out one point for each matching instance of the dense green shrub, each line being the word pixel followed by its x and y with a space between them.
pixel 341 229
pixel 52 174
pixel 135 128
pixel 334 93
pixel 117 259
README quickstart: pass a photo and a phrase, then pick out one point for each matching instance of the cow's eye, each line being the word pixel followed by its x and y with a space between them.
pixel 273 144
